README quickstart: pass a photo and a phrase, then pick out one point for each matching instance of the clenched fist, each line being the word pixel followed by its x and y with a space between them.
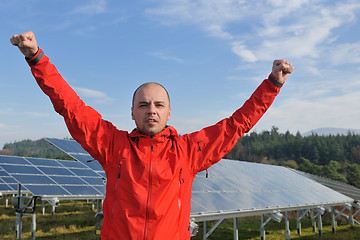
pixel 281 70
pixel 26 43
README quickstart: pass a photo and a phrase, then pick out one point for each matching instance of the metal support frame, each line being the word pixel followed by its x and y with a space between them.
pixel 276 216
pixel 207 234
pixel 21 210
pixel 298 220
pixel 317 213
pixel 54 202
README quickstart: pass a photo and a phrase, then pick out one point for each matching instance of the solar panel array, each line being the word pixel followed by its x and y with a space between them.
pixel 244 186
pixel 51 178
pixel 75 150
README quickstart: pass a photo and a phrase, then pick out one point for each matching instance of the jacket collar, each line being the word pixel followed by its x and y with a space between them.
pixel 168 132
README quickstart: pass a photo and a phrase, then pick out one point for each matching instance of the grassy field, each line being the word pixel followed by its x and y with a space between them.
pixel 76 220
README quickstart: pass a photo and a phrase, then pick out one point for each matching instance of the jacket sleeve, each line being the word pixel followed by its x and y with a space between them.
pixel 209 145
pixel 84 123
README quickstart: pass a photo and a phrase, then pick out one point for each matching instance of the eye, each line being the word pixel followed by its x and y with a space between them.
pixel 142 105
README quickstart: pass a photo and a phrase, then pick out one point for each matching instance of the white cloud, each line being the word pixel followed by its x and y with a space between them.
pixel 94 7
pixel 166 55
pixel 98 96
pixel 2 125
pixel 240 49
pixel 298 114
pixel 285 28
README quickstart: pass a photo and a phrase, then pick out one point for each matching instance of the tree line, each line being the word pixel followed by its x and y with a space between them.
pixel 333 156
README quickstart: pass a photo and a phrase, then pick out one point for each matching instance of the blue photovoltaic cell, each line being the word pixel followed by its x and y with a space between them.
pixel 72 164
pixel 13 160
pixel 85 172
pixel 68 180
pixel 82 190
pixel 47 190
pixel 68 146
pixel 101 189
pixel 44 162
pixel 31 179
pixel 55 171
pixel 93 181
pixel 20 169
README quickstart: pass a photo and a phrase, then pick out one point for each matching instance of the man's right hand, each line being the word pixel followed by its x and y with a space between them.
pixel 26 43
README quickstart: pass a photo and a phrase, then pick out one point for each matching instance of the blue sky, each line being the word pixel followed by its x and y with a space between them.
pixel 209 54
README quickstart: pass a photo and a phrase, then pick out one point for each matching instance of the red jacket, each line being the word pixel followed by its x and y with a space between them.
pixel 149 179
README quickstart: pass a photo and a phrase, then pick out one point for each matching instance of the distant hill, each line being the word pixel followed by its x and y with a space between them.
pixel 331 131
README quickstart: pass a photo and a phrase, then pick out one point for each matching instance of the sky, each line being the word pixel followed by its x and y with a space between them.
pixel 209 54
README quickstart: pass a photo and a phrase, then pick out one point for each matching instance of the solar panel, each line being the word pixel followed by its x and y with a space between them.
pixel 236 186
pixel 74 149
pixel 68 146
pixel 346 189
pixel 52 178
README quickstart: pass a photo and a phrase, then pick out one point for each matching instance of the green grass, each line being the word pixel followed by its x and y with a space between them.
pixel 76 220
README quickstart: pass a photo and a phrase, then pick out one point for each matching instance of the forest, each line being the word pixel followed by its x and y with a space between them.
pixel 333 156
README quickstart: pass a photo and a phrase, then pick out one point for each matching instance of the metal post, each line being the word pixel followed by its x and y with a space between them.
pixel 262 228
pixel 18 225
pixel 333 219
pixel 313 220
pixel 236 231
pixel 205 230
pixel 43 207
pixel 33 226
pixel 320 225
pixel 98 205
pixel 6 200
pixel 351 217
pixel 298 223
pixel 287 229
pixel 53 210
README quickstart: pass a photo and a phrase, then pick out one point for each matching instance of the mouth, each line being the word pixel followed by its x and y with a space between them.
pixel 151 121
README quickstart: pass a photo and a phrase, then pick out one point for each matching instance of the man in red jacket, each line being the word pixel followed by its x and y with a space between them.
pixel 150 170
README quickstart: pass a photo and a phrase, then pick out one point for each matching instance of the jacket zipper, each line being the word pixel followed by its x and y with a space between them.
pixel 149 191
pixel 117 181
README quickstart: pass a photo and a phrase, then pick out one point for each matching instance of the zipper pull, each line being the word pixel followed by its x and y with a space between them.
pixel 180 177
pixel 119 170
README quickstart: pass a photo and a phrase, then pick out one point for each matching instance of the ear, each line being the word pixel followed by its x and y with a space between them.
pixel 132 113
pixel 169 114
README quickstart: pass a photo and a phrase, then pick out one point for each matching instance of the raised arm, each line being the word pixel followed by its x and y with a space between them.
pixel 210 144
pixel 84 123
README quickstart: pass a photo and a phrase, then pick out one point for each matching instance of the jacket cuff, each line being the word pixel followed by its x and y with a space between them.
pixel 275 81
pixel 34 60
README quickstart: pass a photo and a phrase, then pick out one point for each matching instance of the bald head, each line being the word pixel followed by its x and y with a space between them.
pixel 149 84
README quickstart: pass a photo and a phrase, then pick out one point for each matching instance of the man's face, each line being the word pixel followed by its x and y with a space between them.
pixel 151 109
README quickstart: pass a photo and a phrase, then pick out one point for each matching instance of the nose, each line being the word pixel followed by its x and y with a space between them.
pixel 151 109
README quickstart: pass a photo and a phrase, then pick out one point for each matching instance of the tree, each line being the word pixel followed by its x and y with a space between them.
pixel 334 171
pixel 353 171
